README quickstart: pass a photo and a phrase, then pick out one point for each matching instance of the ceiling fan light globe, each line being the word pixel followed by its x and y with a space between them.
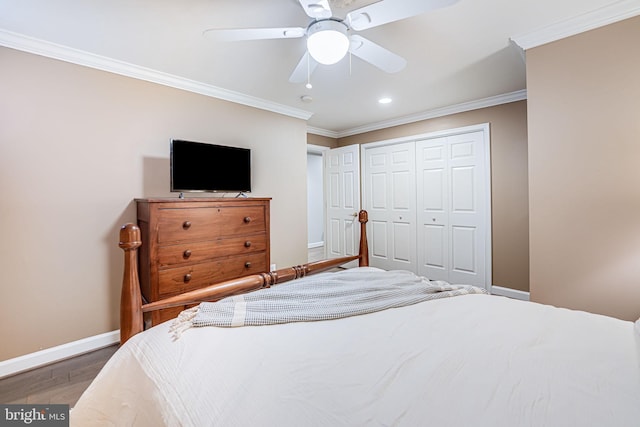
pixel 327 41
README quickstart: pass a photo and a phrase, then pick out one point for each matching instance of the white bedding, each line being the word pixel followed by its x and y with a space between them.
pixel 471 360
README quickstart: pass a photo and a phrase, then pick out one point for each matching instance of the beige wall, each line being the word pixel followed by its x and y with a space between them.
pixel 509 205
pixel 77 145
pixel 323 141
pixel 584 171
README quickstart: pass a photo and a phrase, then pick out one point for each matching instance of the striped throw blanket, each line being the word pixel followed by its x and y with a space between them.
pixel 324 296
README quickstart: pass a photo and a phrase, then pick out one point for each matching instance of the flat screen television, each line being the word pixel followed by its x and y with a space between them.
pixel 202 167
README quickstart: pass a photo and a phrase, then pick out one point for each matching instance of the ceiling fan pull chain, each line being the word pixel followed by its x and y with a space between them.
pixel 308 85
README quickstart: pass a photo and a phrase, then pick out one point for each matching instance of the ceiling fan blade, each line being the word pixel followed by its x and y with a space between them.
pixel 304 69
pixel 376 55
pixel 316 9
pixel 386 11
pixel 238 34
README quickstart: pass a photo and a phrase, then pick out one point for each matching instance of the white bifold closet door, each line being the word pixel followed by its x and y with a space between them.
pixel 427 202
pixel 391 204
pixel 451 208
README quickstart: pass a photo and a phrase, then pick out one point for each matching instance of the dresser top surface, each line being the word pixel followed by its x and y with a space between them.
pixel 202 199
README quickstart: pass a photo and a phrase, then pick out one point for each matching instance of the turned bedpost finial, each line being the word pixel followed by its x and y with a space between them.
pixel 130 237
pixel 363 217
pixel 131 321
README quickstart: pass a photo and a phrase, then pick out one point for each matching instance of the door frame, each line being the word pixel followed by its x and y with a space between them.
pixel 485 129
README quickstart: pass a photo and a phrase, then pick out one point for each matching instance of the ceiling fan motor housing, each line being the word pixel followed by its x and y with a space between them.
pixel 328 40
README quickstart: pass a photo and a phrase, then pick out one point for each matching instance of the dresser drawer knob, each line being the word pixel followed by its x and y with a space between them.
pixel 186 224
pixel 247 219
pixel 247 244
pixel 187 277
pixel 247 264
pixel 186 253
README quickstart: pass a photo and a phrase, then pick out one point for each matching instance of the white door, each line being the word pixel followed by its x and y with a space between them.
pixel 390 200
pixel 433 202
pixel 342 186
pixel 452 211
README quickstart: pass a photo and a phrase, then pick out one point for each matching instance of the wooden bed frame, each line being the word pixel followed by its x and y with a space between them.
pixel 132 308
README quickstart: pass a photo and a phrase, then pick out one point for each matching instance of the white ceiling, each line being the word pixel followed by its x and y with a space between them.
pixel 455 55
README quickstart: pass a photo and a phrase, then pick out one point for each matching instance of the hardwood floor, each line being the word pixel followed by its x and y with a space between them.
pixel 64 382
pixel 59 383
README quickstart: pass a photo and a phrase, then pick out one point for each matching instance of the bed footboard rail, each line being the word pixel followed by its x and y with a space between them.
pixel 132 308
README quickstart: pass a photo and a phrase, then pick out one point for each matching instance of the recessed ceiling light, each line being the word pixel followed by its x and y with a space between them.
pixel 384 100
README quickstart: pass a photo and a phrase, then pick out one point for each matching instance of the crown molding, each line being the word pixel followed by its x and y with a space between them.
pixel 323 132
pixel 64 53
pixel 605 15
pixel 430 114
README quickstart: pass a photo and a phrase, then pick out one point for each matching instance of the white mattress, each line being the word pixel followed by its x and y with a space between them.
pixel 473 360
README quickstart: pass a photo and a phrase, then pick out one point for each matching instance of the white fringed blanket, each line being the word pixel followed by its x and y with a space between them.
pixel 322 297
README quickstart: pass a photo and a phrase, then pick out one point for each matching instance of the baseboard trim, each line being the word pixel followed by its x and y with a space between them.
pixel 315 245
pixel 55 354
pixel 511 293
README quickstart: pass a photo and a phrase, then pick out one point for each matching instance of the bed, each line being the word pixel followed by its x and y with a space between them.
pixel 453 356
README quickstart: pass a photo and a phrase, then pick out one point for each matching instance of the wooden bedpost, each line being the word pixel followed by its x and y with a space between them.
pixel 363 217
pixel 131 321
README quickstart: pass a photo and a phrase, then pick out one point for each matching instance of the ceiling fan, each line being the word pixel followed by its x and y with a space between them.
pixel 330 38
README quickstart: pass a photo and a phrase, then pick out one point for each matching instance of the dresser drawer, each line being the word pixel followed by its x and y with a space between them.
pixel 173 281
pixel 187 253
pixel 209 223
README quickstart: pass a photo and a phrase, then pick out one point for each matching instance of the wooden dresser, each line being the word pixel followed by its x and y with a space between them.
pixel 190 243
